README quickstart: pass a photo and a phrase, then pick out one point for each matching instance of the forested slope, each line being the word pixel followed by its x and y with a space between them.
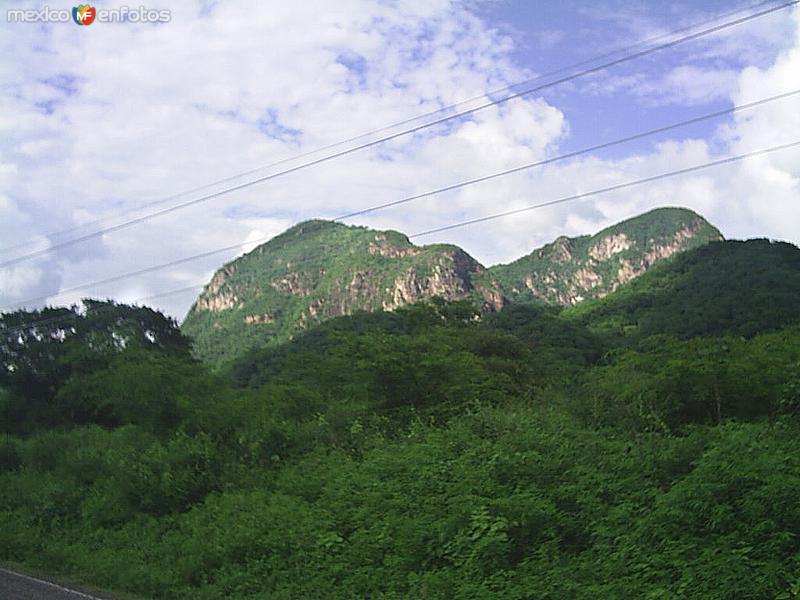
pixel 736 287
pixel 423 453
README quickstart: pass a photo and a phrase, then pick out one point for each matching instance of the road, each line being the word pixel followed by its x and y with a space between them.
pixel 16 586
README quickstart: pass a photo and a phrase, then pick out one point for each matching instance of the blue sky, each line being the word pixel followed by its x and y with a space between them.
pixel 109 117
pixel 548 34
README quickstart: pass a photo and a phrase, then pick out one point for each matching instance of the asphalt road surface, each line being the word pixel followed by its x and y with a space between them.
pixel 16 586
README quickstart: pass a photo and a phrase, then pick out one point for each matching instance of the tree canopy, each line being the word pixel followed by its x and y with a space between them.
pixel 646 446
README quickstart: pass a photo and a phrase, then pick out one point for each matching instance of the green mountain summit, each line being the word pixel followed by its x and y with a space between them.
pixel 570 270
pixel 318 270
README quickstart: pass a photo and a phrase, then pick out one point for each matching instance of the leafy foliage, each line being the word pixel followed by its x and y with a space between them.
pixel 571 269
pixel 428 452
pixel 41 351
pixel 315 271
pixel 733 287
pixel 668 383
pixel 318 270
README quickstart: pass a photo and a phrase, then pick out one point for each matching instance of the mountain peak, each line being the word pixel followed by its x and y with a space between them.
pixel 659 222
pixel 317 270
pixel 570 270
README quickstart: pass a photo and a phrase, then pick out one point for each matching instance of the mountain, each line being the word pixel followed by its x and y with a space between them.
pixel 570 270
pixel 733 287
pixel 318 270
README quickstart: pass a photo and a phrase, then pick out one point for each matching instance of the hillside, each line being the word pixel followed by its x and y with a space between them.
pixel 418 453
pixel 570 270
pixel 318 270
pixel 732 287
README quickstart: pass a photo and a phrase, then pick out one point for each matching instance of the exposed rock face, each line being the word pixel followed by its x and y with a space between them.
pixel 295 284
pixel 658 251
pixel 450 278
pixel 560 251
pixel 609 246
pixel 217 296
pixel 569 271
pixel 319 270
pixel 265 318
pixel 385 248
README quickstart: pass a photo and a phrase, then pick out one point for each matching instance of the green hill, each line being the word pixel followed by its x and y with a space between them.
pixel 571 270
pixel 319 270
pixel 733 287
pixel 418 453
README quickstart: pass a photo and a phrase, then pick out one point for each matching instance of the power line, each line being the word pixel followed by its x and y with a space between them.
pixel 144 271
pixel 188 288
pixel 405 132
pixel 40 322
pixel 18 329
pixel 608 189
pixel 450 107
pixel 568 155
pixel 151 269
pixel 169 264
pixel 430 193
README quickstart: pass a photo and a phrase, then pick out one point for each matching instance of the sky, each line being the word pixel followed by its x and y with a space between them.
pixel 100 120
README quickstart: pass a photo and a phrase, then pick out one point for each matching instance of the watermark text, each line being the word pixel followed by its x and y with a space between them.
pixel 86 15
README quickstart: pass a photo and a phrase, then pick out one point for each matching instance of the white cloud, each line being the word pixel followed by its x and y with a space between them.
pixel 689 84
pixel 109 117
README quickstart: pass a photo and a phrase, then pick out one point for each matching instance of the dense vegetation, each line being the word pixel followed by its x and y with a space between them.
pixel 315 271
pixel 735 287
pixel 421 453
pixel 583 267
pixel 318 270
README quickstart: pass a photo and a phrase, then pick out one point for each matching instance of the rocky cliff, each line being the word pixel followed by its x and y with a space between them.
pixel 570 270
pixel 318 270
